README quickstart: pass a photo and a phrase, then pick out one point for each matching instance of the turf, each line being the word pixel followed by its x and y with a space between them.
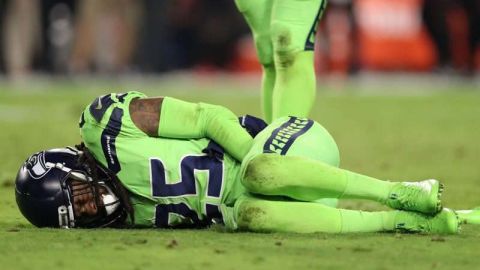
pixel 414 136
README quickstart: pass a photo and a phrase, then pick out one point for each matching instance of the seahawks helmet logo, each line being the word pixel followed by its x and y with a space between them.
pixel 36 167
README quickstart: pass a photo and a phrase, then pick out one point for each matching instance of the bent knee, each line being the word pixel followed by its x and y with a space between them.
pixel 252 216
pixel 258 176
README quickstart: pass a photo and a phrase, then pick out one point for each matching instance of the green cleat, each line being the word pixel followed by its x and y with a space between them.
pixel 469 216
pixel 423 196
pixel 445 222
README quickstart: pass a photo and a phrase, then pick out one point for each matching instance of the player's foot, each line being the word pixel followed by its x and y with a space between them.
pixel 423 196
pixel 469 216
pixel 445 222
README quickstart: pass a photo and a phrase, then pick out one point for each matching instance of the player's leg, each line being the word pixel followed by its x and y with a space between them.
pixel 292 136
pixel 293 28
pixel 257 13
pixel 268 82
pixel 298 158
pixel 303 217
pixel 307 180
pixel 469 216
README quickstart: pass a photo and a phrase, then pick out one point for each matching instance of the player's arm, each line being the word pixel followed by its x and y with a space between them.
pixel 172 118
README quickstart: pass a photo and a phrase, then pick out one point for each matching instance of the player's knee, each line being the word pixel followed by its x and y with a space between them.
pixel 252 216
pixel 258 177
pixel 283 46
pixel 264 48
pixel 242 5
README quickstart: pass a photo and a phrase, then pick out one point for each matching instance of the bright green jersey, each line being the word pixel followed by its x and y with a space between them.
pixel 172 182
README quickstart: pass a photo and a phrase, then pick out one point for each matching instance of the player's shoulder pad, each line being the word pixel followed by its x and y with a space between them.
pixel 100 104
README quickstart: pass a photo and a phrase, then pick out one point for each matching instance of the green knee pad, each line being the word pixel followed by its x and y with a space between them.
pixel 293 28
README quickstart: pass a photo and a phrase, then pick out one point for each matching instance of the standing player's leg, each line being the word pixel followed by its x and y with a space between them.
pixel 293 28
pixel 259 214
pixel 257 13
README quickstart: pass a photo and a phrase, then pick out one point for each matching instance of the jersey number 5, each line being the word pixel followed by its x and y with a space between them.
pixel 186 186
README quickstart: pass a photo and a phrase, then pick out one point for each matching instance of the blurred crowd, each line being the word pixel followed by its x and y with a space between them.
pixel 151 36
pixel 112 36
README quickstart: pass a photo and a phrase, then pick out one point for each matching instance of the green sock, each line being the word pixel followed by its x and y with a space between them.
pixel 303 217
pixel 268 81
pixel 308 180
pixel 361 221
pixel 295 87
pixel 365 187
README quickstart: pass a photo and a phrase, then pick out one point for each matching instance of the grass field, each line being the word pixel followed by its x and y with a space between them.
pixel 418 135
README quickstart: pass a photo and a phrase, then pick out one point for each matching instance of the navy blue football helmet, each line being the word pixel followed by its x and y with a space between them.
pixel 44 190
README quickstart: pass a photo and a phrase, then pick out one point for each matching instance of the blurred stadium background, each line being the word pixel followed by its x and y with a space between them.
pixel 119 37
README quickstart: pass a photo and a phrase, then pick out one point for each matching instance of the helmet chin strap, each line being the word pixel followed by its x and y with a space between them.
pixel 111 203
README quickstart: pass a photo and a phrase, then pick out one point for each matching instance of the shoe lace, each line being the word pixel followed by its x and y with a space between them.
pixel 404 196
pixel 417 223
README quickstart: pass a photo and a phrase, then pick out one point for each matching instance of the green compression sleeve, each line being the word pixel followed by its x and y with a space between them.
pixel 302 217
pixel 295 87
pixel 307 180
pixel 185 120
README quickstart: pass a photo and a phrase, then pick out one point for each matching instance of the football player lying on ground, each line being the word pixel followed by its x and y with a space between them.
pixel 163 162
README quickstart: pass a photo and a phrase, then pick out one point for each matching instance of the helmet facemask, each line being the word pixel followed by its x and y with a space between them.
pixel 78 183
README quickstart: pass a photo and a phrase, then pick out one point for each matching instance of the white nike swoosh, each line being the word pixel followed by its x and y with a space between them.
pixel 99 106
